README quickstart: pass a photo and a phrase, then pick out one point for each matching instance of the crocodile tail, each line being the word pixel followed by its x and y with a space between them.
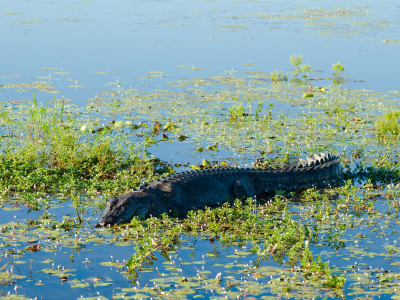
pixel 321 170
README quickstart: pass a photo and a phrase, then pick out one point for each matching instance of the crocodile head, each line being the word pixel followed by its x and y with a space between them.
pixel 123 208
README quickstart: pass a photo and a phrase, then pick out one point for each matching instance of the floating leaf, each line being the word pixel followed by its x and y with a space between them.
pixel 47 261
pixel 308 95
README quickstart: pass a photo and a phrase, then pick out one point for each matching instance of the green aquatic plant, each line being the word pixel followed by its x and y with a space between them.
pixel 52 155
pixel 236 112
pixel 68 163
pixel 389 123
pixel 314 265
pixel 335 281
pixel 278 75
pixel 270 109
pixel 259 109
pixel 305 68
pixel 296 60
pixel 337 68
pixel 7 278
pixel 296 80
pixel 231 223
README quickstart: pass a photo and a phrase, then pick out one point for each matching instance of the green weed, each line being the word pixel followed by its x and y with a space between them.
pixel 388 123
pixel 229 224
pixel 53 156
pixel 335 281
pixel 305 68
pixel 278 75
pixel 236 112
pixel 337 68
pixel 314 265
pixel 296 60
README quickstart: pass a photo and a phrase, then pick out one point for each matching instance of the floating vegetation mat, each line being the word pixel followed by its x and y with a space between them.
pixel 254 250
pixel 60 164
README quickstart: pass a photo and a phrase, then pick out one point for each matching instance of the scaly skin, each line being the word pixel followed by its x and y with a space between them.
pixel 211 187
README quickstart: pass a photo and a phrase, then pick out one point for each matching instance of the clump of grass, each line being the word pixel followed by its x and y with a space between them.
pixel 236 112
pixel 337 68
pixel 52 155
pixel 313 265
pixel 296 61
pixel 278 75
pixel 335 281
pixel 388 123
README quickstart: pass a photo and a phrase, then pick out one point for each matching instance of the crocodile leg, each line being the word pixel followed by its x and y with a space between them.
pixel 243 188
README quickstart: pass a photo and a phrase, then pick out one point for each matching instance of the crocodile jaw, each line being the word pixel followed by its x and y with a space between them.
pixel 123 208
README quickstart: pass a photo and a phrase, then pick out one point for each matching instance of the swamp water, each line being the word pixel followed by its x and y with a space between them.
pixel 195 84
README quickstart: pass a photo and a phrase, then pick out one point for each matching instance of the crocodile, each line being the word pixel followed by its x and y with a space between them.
pixel 191 190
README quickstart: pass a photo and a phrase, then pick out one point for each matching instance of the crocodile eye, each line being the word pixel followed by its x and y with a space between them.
pixel 112 202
